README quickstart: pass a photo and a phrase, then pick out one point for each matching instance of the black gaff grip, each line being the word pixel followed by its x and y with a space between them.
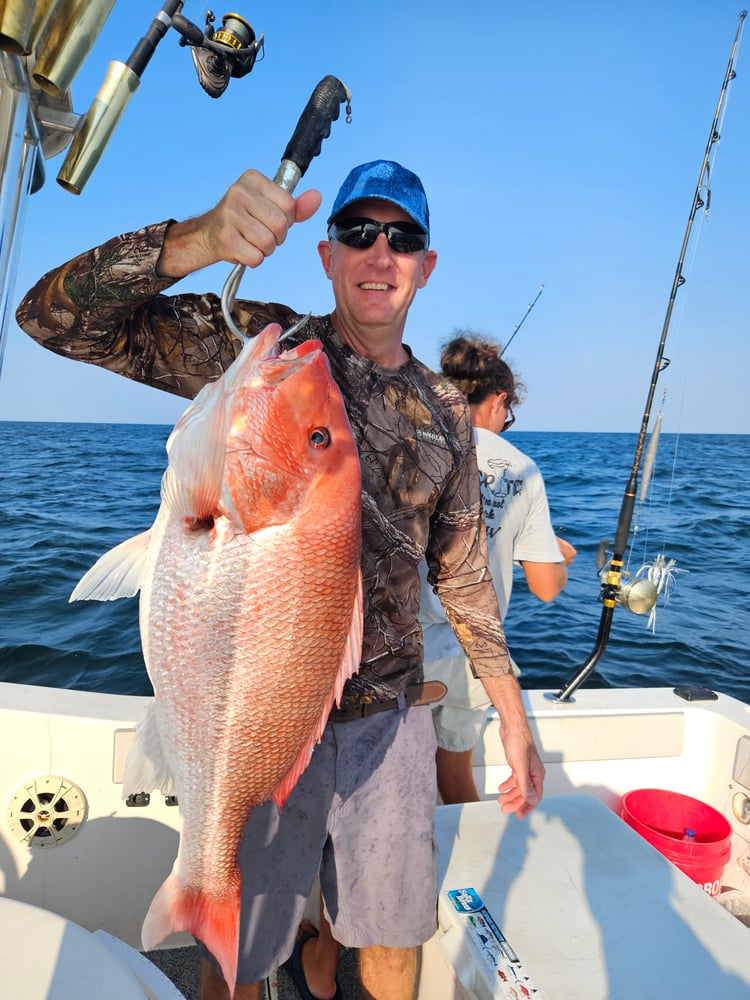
pixel 313 127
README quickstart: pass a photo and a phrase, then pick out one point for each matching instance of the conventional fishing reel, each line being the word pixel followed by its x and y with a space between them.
pixel 619 587
pixel 220 55
pixel 638 592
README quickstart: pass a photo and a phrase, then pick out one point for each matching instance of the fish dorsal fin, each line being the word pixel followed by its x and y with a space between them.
pixel 191 486
pixel 117 573
pixel 349 665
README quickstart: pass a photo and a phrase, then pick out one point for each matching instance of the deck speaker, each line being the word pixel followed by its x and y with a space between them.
pixel 46 812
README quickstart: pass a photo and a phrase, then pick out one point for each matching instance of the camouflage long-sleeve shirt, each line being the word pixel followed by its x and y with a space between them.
pixel 420 486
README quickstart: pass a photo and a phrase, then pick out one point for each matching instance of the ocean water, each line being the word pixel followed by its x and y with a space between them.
pixel 69 492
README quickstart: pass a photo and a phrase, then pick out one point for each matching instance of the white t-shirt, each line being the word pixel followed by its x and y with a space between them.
pixel 518 525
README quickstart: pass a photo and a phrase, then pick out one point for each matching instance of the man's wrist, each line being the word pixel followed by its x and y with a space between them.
pixel 182 251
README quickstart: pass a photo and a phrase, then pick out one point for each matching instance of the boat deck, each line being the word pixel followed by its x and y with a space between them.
pixel 572 883
pixel 181 965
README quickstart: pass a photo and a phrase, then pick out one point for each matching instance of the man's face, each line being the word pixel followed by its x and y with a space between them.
pixel 374 287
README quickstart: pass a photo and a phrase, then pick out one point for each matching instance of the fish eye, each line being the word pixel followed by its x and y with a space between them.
pixel 320 437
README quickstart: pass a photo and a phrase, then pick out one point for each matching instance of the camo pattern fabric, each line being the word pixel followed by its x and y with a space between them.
pixel 420 485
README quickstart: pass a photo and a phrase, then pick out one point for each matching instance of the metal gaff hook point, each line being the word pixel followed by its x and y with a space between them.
pixel 294 327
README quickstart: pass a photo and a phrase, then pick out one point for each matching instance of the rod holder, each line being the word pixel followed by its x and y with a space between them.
pixel 16 17
pixel 68 41
pixel 119 85
pixel 41 24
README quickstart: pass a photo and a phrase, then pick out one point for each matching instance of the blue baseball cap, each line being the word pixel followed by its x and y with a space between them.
pixel 388 181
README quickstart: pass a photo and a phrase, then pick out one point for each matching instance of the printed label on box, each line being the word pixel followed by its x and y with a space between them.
pixel 512 980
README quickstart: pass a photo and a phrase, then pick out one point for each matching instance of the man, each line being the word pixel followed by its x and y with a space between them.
pixel 371 781
pixel 519 531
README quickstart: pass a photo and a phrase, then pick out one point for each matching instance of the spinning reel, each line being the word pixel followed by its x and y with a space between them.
pixel 220 55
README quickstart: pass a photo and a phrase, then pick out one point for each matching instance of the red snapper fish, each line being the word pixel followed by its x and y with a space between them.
pixel 250 615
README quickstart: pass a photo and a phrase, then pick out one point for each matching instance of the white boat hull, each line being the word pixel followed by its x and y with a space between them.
pixel 106 874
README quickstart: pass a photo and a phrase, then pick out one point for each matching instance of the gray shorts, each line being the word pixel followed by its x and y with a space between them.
pixel 363 814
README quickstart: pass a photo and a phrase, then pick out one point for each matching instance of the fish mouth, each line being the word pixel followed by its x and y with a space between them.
pixel 265 357
pixel 279 363
pixel 300 351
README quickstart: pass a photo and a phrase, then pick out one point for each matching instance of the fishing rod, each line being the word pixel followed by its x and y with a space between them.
pixel 523 320
pixel 635 596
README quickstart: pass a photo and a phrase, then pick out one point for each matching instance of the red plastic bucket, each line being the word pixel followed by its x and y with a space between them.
pixel 688 832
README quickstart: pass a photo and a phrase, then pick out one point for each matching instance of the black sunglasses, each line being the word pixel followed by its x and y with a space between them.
pixel 510 418
pixel 403 237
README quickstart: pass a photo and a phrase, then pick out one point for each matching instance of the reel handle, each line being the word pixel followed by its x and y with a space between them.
pixel 313 127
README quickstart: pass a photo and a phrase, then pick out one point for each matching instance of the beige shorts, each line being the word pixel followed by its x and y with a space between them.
pixel 460 716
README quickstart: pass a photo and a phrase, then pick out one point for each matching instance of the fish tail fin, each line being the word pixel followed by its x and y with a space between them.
pixel 214 920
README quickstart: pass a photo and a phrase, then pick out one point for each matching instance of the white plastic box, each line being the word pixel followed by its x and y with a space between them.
pixel 589 908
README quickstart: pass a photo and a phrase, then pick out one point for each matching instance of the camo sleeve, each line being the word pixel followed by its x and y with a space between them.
pixel 106 307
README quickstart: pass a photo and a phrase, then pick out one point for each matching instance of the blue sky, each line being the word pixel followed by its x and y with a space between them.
pixel 559 144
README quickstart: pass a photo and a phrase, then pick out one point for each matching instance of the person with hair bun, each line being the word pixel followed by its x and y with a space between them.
pixel 519 531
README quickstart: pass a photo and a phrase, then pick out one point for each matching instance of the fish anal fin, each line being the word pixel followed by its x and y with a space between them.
pixel 286 786
pixel 146 768
pixel 214 920
pixel 117 573
pixel 349 665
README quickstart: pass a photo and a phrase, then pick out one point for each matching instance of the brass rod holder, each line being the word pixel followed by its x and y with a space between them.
pixel 44 10
pixel 70 38
pixel 16 17
pixel 119 85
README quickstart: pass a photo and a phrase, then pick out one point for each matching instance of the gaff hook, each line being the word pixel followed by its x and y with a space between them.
pixel 313 127
pixel 294 327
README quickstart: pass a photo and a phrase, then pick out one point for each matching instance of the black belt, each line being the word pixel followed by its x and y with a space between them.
pixel 415 694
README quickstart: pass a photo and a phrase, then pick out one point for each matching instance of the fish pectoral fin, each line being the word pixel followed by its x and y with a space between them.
pixel 349 665
pixel 146 768
pixel 117 573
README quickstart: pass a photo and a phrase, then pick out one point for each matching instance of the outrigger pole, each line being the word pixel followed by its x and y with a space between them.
pixel 611 589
